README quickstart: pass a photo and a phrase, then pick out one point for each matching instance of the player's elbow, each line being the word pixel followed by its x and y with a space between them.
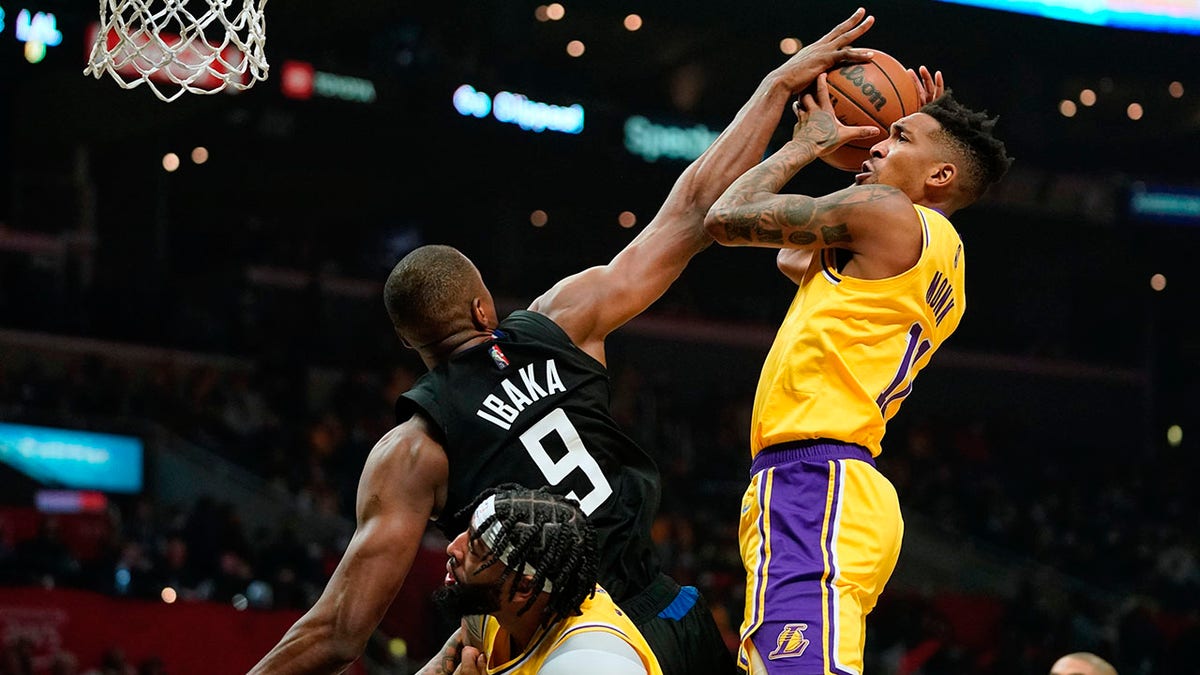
pixel 312 645
pixel 716 223
pixel 345 650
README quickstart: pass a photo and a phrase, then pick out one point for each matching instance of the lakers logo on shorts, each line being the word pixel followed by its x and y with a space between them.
pixel 791 643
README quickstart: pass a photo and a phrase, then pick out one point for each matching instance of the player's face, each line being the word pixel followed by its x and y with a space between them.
pixel 906 157
pixel 470 587
pixel 468 557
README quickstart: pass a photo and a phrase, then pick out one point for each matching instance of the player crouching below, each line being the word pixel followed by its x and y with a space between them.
pixel 523 580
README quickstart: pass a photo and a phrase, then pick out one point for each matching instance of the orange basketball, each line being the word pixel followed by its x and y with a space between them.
pixel 877 93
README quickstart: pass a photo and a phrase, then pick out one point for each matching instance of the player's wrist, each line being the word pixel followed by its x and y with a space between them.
pixel 786 82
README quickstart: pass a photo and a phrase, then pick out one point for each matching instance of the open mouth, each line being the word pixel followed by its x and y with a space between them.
pixel 862 175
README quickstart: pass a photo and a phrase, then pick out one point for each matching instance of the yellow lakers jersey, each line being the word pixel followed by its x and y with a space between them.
pixel 848 349
pixel 599 614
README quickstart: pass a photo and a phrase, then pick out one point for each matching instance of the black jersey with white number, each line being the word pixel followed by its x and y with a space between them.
pixel 530 407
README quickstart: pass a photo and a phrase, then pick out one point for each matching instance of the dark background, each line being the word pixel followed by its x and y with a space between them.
pixel 1039 429
pixel 345 187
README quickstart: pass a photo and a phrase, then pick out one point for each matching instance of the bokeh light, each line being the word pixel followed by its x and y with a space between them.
pixel 1175 435
pixel 790 46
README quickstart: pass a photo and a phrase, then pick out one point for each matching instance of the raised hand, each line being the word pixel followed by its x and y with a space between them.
pixel 930 87
pixel 817 124
pixel 833 48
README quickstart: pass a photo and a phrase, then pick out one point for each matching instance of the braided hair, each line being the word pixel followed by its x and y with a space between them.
pixel 545 532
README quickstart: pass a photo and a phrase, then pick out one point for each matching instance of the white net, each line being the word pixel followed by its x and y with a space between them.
pixel 181 46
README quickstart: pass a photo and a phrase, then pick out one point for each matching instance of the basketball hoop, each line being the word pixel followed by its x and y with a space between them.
pixel 176 50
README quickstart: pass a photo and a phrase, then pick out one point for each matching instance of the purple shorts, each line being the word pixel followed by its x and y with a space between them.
pixel 820 534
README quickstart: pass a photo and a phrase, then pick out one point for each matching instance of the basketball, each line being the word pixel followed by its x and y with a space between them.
pixel 877 93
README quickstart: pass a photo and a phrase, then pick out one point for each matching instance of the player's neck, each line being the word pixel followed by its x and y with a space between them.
pixel 524 629
pixel 437 353
pixel 941 207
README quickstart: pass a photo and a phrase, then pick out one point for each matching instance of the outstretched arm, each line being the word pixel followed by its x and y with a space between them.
pixel 403 484
pixel 591 304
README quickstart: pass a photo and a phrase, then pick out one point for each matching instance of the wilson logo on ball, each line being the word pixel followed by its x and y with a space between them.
pixel 856 74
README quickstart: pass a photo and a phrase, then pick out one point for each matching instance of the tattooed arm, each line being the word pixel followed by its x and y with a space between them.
pixel 877 222
pixel 591 304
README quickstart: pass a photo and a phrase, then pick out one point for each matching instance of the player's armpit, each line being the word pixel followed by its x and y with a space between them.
pixel 593 303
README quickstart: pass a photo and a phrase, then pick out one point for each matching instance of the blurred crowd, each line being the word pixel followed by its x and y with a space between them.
pixel 1116 523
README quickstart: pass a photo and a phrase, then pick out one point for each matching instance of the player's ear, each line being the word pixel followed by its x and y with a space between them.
pixel 480 314
pixel 523 585
pixel 942 175
pixel 404 341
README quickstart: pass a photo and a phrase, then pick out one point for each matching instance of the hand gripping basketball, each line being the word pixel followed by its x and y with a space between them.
pixel 816 122
pixel 877 93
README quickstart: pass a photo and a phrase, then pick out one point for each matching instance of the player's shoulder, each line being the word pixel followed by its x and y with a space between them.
pixel 871 210
pixel 936 227
pixel 532 325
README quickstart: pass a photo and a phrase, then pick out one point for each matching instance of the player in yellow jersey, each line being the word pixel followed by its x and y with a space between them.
pixel 880 270
pixel 523 577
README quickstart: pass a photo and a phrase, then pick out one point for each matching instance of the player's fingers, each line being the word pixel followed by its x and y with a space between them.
pixel 856 55
pixel 846 25
pixel 862 132
pixel 856 32
pixel 927 79
pixel 939 86
pixel 471 663
pixel 823 91
pixel 807 103
pixel 920 87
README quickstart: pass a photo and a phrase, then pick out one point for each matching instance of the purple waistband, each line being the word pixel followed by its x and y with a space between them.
pixel 816 449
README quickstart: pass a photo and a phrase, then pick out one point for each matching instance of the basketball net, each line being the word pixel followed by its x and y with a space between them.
pixel 175 50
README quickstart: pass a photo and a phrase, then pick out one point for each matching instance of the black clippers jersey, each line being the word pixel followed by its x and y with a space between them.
pixel 530 407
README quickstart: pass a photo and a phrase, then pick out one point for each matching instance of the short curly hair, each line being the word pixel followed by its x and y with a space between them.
pixel 549 533
pixel 970 135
